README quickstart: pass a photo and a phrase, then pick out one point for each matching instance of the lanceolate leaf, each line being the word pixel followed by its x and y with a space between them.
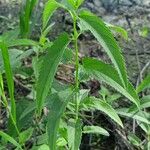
pixel 57 109
pixel 49 9
pixel 10 139
pixel 106 39
pixel 74 134
pixel 107 109
pixel 108 74
pixel 9 77
pixel 140 116
pixel 144 84
pixel 49 67
pixel 21 42
pixel 95 130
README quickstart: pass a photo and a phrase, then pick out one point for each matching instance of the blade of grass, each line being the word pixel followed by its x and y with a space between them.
pixel 9 77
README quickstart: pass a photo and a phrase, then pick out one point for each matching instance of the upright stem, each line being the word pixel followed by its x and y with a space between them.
pixel 76 62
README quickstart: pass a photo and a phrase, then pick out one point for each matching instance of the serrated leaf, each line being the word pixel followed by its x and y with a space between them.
pixel 95 130
pixel 106 39
pixel 49 67
pixel 140 116
pixel 10 139
pixel 107 109
pixel 105 72
pixel 144 84
pixel 57 108
pixel 49 9
pixel 74 134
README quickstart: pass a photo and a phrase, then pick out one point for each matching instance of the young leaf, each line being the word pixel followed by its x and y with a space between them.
pixel 57 108
pixel 108 74
pixel 61 142
pixel 107 109
pixel 95 130
pixel 10 139
pixel 49 67
pixel 74 134
pixel 118 29
pixel 144 84
pixel 9 77
pixel 49 9
pixel 106 39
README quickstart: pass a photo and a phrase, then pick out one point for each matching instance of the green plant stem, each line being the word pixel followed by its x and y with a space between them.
pixel 76 62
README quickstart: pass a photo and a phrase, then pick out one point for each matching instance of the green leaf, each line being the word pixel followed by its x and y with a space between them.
pixel 105 72
pixel 25 135
pixel 69 5
pixel 10 139
pixel 30 108
pixel 134 139
pixel 79 2
pixel 144 32
pixel 1 84
pixel 144 126
pixel 144 84
pixel 10 35
pixel 140 116
pixel 106 39
pixel 49 67
pixel 57 108
pixel 95 130
pixel 144 103
pixel 119 30
pixel 107 109
pixel 21 42
pixel 74 134
pixel 44 34
pixel 25 17
pixel 43 147
pixel 49 9
pixel 15 60
pixel 9 77
pixel 61 142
